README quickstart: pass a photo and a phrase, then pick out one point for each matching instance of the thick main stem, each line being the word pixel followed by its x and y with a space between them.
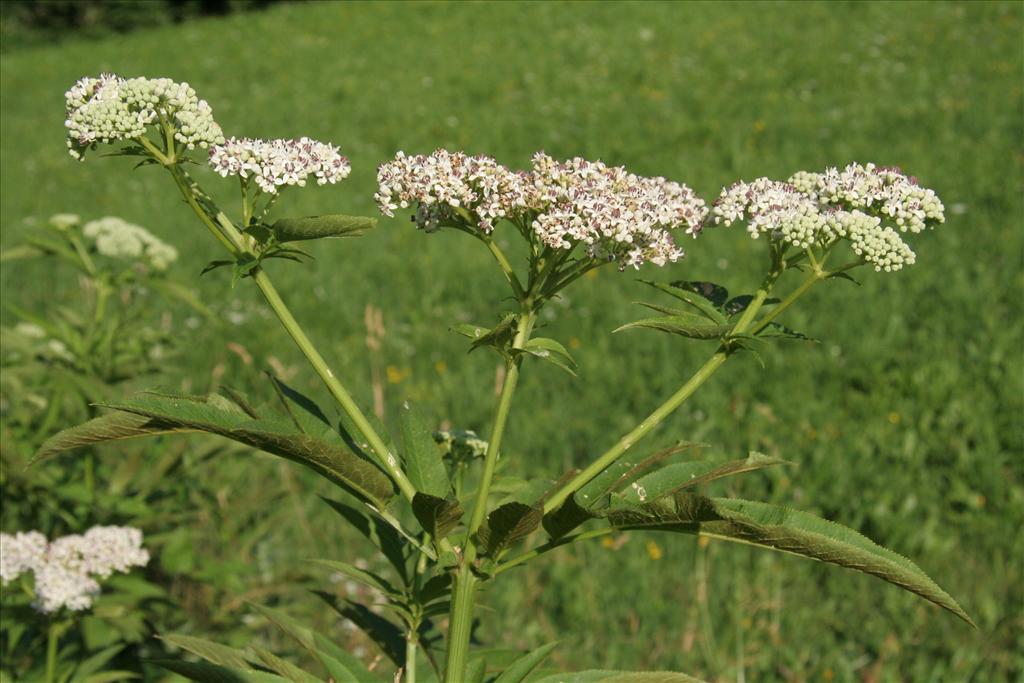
pixel 464 597
pixel 460 625
pixel 52 638
pixel 410 659
pixel 508 389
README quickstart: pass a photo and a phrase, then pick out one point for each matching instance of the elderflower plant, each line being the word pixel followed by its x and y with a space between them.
pixel 574 215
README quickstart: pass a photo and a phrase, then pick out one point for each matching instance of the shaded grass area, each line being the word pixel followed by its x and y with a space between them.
pixel 905 420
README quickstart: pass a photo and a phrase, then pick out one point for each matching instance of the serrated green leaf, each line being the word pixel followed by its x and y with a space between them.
pixel 95 662
pixel 716 294
pixel 678 476
pixel 110 427
pixel 740 303
pixel 423 460
pixel 843 276
pixel 780 528
pixel 437 516
pixel 436 587
pixel 476 669
pixel 777 331
pixel 506 525
pixel 500 336
pixel 289 626
pixel 596 676
pixel 204 672
pixel 686 325
pixel 318 227
pixel 694 299
pixel 215 653
pixel 522 667
pixel 213 414
pixel 378 532
pixel 335 669
pixel 284 668
pixel 107 677
pixel 566 517
pixel 214 265
pixel 388 637
pixel 354 665
pixel 551 351
pixel 471 331
pixel 363 576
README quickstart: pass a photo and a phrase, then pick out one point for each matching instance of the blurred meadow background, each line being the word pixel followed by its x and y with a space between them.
pixel 905 422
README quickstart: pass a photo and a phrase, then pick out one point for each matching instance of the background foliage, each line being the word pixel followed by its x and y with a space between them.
pixel 906 421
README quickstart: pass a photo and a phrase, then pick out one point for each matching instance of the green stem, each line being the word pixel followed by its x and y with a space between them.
pixel 410 658
pixel 508 388
pixel 817 275
pixel 233 246
pixel 52 638
pixel 90 486
pixel 464 597
pixel 156 152
pixel 83 254
pixel 666 408
pixel 778 310
pixel 461 625
pixel 503 261
pixel 232 240
pixel 552 545
pixel 340 394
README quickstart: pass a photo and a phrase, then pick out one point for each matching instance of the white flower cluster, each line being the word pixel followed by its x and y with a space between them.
pixel 617 215
pixel 110 108
pixel 820 208
pixel 275 163
pixel 118 238
pixel 880 191
pixel 65 571
pixel 442 181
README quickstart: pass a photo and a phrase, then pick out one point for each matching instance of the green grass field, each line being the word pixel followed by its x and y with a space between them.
pixel 906 421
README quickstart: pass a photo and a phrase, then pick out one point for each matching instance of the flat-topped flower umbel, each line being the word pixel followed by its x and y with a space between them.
pixel 277 163
pixel 820 209
pixel 617 215
pixel 111 109
pixel 66 570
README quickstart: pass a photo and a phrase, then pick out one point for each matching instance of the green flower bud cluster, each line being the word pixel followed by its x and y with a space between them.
pixel 118 238
pixel 880 246
pixel 876 190
pixel 109 109
pixel 819 209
